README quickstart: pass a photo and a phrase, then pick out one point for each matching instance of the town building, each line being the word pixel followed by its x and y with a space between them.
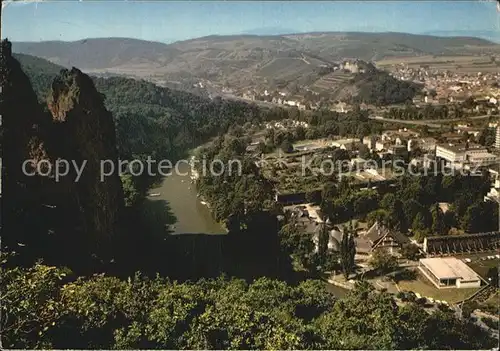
pixel 497 139
pixel 334 238
pixel 346 144
pixel 458 155
pixel 380 237
pixel 425 144
pixel 449 272
pixel 370 141
pixel 398 150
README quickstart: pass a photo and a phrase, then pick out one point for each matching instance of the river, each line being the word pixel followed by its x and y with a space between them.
pixel 192 216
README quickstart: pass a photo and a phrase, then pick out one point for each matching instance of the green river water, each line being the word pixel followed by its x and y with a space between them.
pixel 192 216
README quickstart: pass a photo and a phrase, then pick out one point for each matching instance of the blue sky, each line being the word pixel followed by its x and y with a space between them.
pixel 170 21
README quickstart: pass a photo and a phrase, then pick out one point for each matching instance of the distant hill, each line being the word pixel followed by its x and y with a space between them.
pixel 269 31
pixel 100 53
pixel 246 61
pixel 95 52
pixel 490 35
pixel 37 64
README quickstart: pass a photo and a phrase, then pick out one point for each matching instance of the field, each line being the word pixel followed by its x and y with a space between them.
pixel 425 288
pixel 465 64
pixel 332 81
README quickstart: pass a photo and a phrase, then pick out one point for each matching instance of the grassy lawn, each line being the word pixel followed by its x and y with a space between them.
pixel 424 287
pixel 481 267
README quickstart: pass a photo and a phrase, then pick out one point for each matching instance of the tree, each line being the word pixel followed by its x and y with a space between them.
pixel 465 137
pixel 410 252
pixel 388 201
pixel 492 276
pixel 381 216
pixel 30 307
pixel 397 218
pixel 364 152
pixel 424 130
pixel 296 242
pixel 419 222
pixel 313 197
pixel 131 194
pixel 286 146
pixel 472 220
pixel 438 223
pixel 348 251
pixel 323 240
pixel 383 262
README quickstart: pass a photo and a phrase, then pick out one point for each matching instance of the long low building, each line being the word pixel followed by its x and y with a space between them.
pixel 465 243
pixel 449 272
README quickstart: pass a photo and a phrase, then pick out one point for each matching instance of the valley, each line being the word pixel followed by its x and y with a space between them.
pixel 299 64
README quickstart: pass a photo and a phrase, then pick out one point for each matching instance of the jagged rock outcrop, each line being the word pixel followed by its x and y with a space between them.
pixel 85 133
pixel 63 221
pixel 23 126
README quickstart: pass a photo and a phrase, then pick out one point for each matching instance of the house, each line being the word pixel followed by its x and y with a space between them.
pixel 493 194
pixel 340 107
pixel 351 66
pixel 380 237
pixel 471 131
pixel 449 272
pixel 334 238
pixel 401 134
pixel 249 96
pixel 398 150
pixel 370 141
pixel 425 144
pixel 345 144
pixel 381 145
pixel 497 138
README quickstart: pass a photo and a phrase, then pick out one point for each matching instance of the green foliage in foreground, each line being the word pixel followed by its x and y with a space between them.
pixel 42 308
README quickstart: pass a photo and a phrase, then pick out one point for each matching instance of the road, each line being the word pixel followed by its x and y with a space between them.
pixel 433 123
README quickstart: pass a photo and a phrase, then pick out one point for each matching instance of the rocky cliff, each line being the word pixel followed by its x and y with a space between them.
pixel 23 127
pixel 84 133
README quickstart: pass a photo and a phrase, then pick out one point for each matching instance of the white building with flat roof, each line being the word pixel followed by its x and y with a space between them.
pixel 449 272
pixel 459 155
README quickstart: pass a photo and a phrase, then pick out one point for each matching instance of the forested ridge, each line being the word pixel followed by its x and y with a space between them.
pixel 380 88
pixel 236 291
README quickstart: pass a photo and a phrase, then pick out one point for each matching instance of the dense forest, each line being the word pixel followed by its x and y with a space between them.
pixel 412 204
pixel 54 311
pixel 379 88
